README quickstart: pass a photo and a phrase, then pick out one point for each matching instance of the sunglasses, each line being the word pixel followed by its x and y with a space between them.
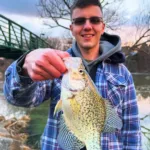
pixel 82 20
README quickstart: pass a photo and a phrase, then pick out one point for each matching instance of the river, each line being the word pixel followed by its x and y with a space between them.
pixel 39 114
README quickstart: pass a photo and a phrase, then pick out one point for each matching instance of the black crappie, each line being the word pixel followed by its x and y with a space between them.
pixel 85 113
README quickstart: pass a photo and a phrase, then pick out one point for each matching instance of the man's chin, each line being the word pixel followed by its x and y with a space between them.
pixel 87 47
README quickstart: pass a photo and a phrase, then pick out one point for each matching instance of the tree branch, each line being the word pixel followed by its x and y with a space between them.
pixel 67 4
pixel 136 44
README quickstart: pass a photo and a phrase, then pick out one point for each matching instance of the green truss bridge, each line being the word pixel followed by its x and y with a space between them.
pixel 16 40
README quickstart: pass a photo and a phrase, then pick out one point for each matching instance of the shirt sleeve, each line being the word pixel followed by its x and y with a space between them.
pixel 22 91
pixel 131 122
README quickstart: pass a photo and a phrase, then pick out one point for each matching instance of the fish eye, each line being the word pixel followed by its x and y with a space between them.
pixel 81 71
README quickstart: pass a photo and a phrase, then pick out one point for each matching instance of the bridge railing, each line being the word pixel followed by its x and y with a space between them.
pixel 14 36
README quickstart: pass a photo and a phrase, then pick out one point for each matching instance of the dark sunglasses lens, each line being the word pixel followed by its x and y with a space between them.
pixel 79 21
pixel 95 20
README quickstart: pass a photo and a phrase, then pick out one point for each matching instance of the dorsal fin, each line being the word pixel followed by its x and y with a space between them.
pixel 113 121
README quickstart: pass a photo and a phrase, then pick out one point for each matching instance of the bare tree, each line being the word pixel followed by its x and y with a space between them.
pixel 141 23
pixel 113 13
pixel 55 43
pixel 59 12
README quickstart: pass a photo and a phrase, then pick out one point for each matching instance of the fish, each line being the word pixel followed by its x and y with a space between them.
pixel 85 113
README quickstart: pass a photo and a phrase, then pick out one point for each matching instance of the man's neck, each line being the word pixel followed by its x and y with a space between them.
pixel 90 54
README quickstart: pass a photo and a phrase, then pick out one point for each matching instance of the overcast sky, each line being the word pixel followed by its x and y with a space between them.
pixel 25 13
pixel 22 7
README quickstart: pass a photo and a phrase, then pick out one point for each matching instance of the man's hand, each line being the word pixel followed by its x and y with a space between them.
pixel 44 64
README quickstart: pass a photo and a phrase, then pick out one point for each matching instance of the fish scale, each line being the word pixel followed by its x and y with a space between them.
pixel 85 113
pixel 88 110
pixel 85 126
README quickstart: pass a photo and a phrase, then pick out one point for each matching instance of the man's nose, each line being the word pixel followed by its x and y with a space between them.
pixel 87 25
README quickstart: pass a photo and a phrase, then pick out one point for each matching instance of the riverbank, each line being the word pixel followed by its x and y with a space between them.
pixel 38 117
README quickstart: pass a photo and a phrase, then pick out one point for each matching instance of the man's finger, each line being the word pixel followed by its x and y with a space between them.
pixel 56 61
pixel 49 70
pixel 62 54
pixel 38 70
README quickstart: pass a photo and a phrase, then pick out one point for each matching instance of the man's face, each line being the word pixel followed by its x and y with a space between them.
pixel 87 34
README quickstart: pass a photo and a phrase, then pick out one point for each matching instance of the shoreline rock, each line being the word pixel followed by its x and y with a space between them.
pixel 12 136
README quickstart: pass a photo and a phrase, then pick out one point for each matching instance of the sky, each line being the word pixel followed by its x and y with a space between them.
pixel 25 13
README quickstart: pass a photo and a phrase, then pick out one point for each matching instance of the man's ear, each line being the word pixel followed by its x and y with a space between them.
pixel 103 28
pixel 71 29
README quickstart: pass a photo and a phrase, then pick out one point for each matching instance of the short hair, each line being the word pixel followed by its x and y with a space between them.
pixel 85 3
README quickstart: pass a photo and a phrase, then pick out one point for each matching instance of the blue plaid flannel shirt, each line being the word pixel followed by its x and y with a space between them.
pixel 114 83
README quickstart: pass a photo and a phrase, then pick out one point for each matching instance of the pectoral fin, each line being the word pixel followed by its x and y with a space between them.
pixel 58 107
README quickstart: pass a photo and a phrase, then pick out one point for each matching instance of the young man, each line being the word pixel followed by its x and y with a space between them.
pixel 36 77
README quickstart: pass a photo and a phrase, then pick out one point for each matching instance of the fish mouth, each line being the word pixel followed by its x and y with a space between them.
pixel 74 91
pixel 71 90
